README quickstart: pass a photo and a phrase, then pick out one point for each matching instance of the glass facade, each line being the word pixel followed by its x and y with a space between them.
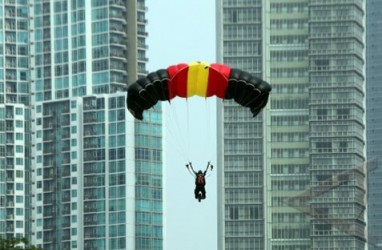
pixel 53 179
pixel 288 130
pixel 14 52
pixel 149 182
pixel 80 48
pixel 15 120
pixel 337 124
pixel 98 172
pixel 14 172
pixel 241 210
pixel 309 142
pixel 374 121
pixel 85 174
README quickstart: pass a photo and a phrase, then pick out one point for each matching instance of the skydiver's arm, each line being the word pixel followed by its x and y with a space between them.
pixel 208 166
pixel 191 170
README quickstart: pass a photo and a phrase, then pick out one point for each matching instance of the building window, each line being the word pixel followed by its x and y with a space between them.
pixel 19 111
pixel 322 114
pixel 19 198
pixel 20 187
pixel 19 124
pixel 343 146
pixel 19 149
pixel 324 147
pixel 19 224
pixel 19 161
pixel 19 174
pixel 19 211
pixel 19 136
pixel 343 113
pixel 233 213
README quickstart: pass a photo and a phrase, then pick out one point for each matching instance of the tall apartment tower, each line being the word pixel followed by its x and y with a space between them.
pixel 15 120
pixel 374 121
pixel 97 179
pixel 293 177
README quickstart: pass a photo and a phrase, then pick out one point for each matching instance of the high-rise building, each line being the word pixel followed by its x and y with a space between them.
pixel 337 124
pixel 287 130
pixel 241 213
pixel 97 173
pixel 374 120
pixel 15 120
pixel 293 177
pixel 107 191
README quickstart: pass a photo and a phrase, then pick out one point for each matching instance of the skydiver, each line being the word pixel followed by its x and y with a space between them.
pixel 200 180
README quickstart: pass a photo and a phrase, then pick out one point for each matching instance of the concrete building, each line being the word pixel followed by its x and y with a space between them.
pixel 293 177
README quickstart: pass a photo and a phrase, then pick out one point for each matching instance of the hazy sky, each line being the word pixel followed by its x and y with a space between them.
pixel 181 32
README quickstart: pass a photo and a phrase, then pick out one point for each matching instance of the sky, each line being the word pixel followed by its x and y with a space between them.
pixel 181 32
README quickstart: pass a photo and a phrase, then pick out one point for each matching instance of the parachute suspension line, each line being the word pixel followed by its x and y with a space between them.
pixel 217 80
pixel 177 135
pixel 188 130
pixel 184 140
pixel 190 171
pixel 208 129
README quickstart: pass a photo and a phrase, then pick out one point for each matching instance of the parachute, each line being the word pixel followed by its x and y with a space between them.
pixel 201 79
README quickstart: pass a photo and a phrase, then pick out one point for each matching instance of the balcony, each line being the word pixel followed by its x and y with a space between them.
pixel 118 4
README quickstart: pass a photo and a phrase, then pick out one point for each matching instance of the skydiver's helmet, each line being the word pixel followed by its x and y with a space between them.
pixel 200 172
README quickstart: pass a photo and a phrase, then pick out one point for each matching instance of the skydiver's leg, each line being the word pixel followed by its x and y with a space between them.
pixel 196 191
pixel 203 192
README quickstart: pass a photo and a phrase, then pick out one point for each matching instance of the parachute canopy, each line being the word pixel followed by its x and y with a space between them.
pixel 201 79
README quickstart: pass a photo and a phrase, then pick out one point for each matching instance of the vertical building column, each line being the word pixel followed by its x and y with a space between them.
pixel 132 65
